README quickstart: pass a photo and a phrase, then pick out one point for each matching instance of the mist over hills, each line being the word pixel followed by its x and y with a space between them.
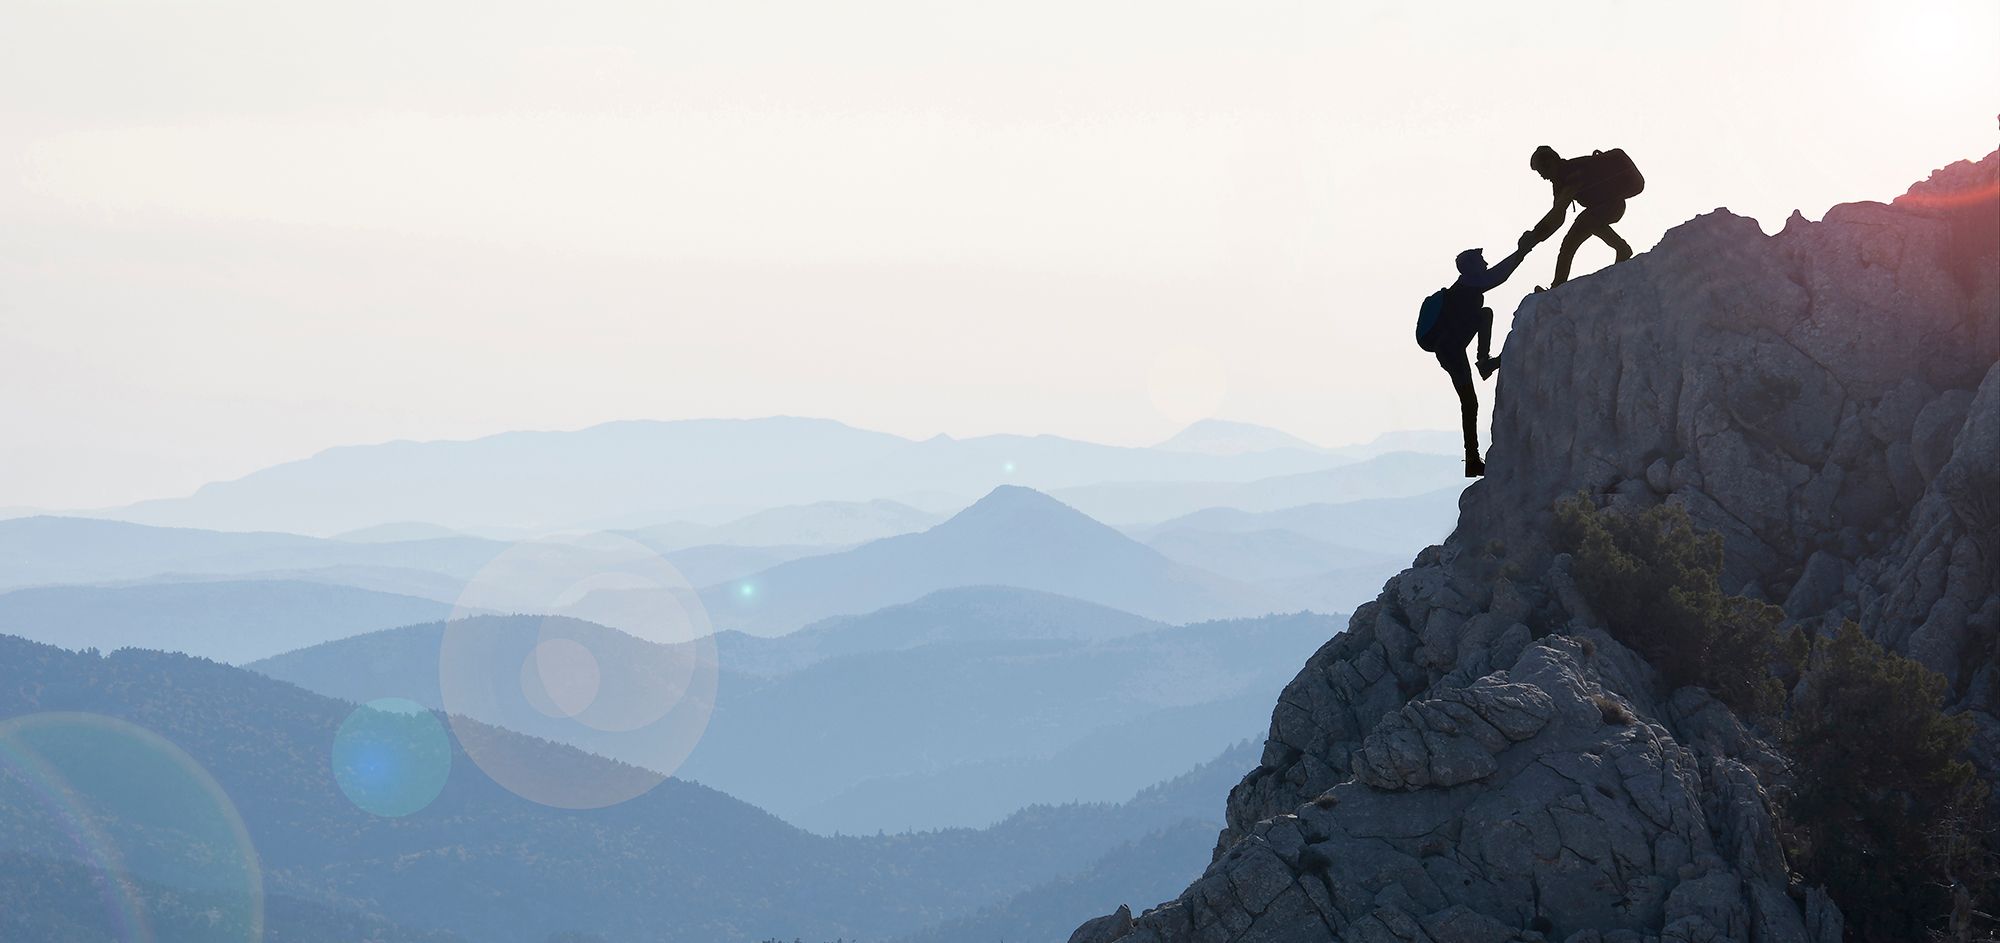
pixel 984 670
pixel 45 550
pixel 828 524
pixel 1261 555
pixel 965 613
pixel 625 471
pixel 856 723
pixel 231 621
pixel 680 863
pixel 1369 523
pixel 1014 536
pixel 1391 475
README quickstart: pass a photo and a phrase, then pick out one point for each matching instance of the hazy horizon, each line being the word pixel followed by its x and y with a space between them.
pixel 241 234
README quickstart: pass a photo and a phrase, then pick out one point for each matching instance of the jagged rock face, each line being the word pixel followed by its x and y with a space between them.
pixel 1474 760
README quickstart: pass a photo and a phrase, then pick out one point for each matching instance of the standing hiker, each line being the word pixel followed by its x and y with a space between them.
pixel 1600 183
pixel 1451 317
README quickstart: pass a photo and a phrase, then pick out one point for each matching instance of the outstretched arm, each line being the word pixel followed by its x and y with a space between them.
pixel 1492 277
pixel 1553 220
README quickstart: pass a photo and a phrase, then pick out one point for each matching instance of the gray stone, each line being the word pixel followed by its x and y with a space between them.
pixel 1105 929
pixel 1659 476
pixel 1818 587
pixel 1476 759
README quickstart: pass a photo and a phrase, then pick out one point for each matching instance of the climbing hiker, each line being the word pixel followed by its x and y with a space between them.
pixel 1600 183
pixel 1451 317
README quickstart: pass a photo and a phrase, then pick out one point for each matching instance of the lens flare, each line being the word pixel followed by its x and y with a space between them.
pixel 136 808
pixel 391 757
pixel 561 677
pixel 615 657
pixel 22 772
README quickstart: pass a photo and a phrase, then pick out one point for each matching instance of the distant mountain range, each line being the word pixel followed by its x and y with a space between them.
pixel 1262 555
pixel 226 620
pixel 1396 526
pixel 1218 563
pixel 631 474
pixel 960 614
pixel 826 524
pixel 681 863
pixel 1391 475
pixel 38 551
pixel 1016 696
pixel 1119 875
pixel 1014 537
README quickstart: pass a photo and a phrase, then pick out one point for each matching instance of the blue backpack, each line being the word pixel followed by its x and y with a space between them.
pixel 1427 318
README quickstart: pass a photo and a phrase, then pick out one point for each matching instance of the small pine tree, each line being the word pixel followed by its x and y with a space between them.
pixel 1656 582
pixel 1878 770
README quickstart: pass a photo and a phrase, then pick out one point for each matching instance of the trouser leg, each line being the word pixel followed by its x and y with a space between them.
pixel 1454 364
pixel 1601 218
pixel 1485 333
pixel 1571 240
pixel 1593 221
pixel 1618 245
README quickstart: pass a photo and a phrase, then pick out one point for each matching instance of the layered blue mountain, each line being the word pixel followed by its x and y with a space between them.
pixel 959 614
pixel 46 551
pixel 230 621
pixel 38 551
pixel 820 524
pixel 954 710
pixel 1389 475
pixel 633 473
pixel 1014 537
pixel 680 863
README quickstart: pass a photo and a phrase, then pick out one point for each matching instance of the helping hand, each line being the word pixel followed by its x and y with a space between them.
pixel 1528 241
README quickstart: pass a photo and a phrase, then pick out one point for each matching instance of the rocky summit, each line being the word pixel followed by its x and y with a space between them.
pixel 1477 759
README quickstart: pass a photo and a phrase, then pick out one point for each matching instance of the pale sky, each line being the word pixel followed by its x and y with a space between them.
pixel 236 233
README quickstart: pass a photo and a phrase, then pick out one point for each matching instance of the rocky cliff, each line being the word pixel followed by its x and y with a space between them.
pixel 1477 759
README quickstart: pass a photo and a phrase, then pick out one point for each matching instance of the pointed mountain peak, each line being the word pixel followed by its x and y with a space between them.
pixel 1015 499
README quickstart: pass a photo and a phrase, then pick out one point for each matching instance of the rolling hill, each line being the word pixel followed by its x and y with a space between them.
pixel 848 741
pixel 226 620
pixel 959 614
pixel 718 870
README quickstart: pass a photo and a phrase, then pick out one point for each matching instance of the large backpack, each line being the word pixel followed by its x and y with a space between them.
pixel 1427 319
pixel 1609 176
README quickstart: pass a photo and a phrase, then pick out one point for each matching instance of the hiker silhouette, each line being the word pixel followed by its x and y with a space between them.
pixel 1452 317
pixel 1600 183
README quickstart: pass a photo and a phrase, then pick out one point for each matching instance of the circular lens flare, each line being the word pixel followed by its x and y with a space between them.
pixel 610 652
pixel 391 757
pixel 135 808
pixel 560 677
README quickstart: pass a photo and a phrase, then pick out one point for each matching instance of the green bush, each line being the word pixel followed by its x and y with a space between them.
pixel 1656 582
pixel 1878 771
pixel 1884 812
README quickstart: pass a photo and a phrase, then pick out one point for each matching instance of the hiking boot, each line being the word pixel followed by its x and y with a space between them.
pixel 1487 365
pixel 1474 468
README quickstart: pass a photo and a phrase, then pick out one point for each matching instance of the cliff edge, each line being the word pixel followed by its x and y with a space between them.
pixel 1477 759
